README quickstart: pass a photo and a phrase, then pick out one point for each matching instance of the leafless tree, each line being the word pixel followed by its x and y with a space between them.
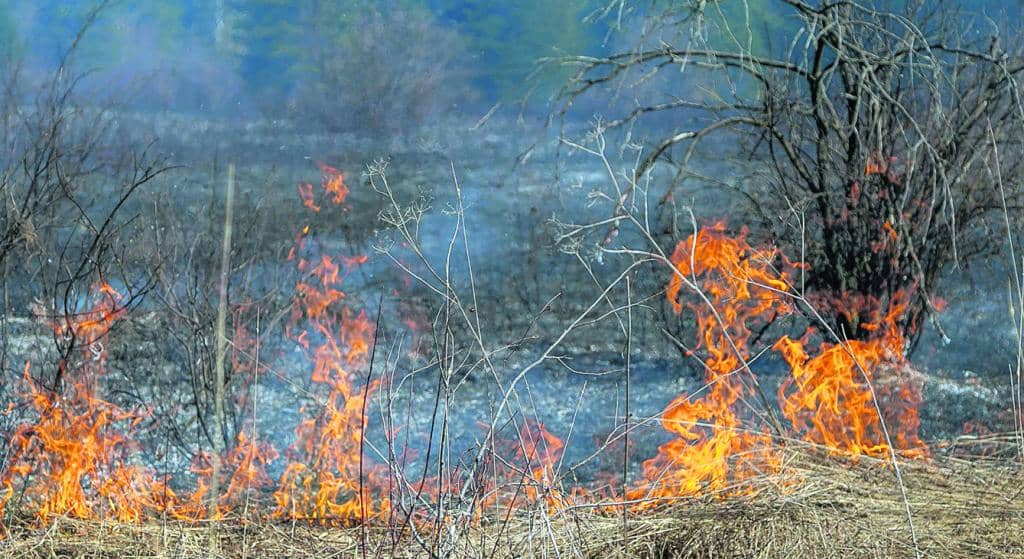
pixel 388 70
pixel 65 186
pixel 873 131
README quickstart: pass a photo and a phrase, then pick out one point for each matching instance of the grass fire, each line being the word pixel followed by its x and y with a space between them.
pixel 360 279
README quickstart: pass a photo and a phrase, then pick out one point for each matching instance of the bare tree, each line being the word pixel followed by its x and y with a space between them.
pixel 65 184
pixel 378 69
pixel 873 130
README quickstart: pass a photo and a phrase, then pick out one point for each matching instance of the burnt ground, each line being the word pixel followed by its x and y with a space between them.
pixel 518 268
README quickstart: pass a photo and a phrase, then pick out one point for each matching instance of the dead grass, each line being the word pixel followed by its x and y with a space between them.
pixel 830 508
pixel 819 507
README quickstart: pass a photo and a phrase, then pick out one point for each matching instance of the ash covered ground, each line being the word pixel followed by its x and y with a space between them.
pixel 517 186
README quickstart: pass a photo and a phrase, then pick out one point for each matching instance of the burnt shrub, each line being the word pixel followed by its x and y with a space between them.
pixel 877 144
pixel 381 70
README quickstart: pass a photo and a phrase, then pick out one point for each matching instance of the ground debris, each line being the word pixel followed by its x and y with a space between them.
pixel 817 506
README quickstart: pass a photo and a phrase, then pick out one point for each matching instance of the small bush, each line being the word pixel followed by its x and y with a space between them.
pixel 386 71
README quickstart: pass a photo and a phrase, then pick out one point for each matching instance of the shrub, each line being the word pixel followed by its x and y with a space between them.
pixel 882 139
pixel 383 70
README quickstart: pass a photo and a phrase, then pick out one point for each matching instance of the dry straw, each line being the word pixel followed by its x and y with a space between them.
pixel 816 507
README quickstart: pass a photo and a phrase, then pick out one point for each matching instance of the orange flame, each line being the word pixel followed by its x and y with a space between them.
pixel 326 479
pixel 878 164
pixel 712 451
pixel 70 459
pixel 541 451
pixel 831 398
pixel 827 399
pixel 524 472
pixel 306 193
pixel 73 456
pixel 333 183
pixel 247 461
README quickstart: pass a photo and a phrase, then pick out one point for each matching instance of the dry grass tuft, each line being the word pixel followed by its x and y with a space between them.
pixel 819 507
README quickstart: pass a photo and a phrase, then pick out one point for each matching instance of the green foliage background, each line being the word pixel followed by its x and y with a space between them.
pixel 266 48
pixel 273 44
pixel 8 33
pixel 507 38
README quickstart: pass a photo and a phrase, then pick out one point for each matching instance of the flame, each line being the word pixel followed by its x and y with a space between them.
pixel 524 471
pixel 247 461
pixel 827 398
pixel 876 164
pixel 70 458
pixel 88 327
pixel 831 398
pixel 306 193
pixel 326 478
pixel 353 262
pixel 711 451
pixel 879 164
pixel 333 183
pixel 75 453
pixel 541 451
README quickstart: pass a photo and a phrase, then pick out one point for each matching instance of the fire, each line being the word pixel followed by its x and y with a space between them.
pixel 306 193
pixel 247 461
pixel 75 455
pixel 541 452
pixel 333 183
pixel 70 456
pixel 827 398
pixel 326 479
pixel 878 164
pixel 712 451
pixel 525 471
pixel 833 398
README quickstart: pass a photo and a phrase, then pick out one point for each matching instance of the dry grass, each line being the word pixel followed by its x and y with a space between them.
pixel 962 508
pixel 818 507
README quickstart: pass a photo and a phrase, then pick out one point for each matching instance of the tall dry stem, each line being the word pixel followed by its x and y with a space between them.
pixel 222 311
